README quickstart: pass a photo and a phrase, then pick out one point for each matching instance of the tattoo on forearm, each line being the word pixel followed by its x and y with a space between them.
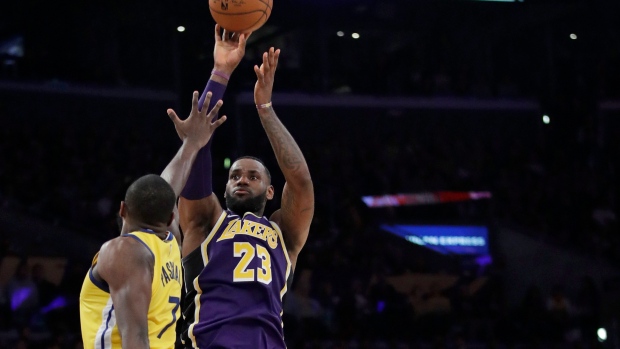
pixel 284 145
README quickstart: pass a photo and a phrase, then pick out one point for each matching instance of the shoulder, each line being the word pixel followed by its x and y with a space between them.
pixel 276 216
pixel 124 249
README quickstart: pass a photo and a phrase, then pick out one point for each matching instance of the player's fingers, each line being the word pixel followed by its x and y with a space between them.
pixel 276 58
pixel 243 38
pixel 224 35
pixel 265 60
pixel 173 116
pixel 217 33
pixel 272 58
pixel 215 110
pixel 195 100
pixel 219 122
pixel 259 73
pixel 205 103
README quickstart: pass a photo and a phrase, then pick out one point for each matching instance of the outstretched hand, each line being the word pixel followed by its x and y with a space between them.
pixel 198 128
pixel 265 76
pixel 229 49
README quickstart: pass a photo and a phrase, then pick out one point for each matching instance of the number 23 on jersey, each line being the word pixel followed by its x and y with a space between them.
pixel 247 252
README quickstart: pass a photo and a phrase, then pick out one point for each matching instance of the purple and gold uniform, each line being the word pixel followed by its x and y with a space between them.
pixel 235 282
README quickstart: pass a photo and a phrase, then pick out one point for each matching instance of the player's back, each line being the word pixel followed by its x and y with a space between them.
pixel 97 315
pixel 235 282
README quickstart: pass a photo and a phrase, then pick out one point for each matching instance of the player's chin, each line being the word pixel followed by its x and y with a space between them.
pixel 246 203
pixel 247 197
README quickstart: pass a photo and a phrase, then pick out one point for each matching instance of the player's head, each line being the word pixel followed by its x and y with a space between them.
pixel 249 186
pixel 149 201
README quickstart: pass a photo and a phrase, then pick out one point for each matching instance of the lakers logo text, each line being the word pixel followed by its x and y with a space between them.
pixel 247 227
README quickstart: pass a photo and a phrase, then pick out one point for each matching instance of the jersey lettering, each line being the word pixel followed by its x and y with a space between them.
pixel 171 272
pixel 251 228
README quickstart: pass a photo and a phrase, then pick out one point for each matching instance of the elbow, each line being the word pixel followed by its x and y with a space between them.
pixel 305 181
pixel 304 186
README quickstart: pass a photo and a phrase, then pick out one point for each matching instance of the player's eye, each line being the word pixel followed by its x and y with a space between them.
pixel 253 178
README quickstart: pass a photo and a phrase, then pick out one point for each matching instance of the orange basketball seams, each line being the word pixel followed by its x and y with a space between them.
pixel 241 16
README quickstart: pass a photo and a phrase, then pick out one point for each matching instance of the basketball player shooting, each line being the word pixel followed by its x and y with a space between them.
pixel 131 295
pixel 237 262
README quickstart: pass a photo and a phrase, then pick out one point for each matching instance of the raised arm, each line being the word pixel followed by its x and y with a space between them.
pixel 127 267
pixel 196 131
pixel 199 208
pixel 297 207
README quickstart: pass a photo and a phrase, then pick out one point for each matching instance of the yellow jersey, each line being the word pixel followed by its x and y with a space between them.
pixel 97 315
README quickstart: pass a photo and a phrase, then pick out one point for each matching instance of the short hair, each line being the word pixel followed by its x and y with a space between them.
pixel 150 200
pixel 257 160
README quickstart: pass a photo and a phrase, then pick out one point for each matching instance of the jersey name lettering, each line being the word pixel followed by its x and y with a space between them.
pixel 170 272
pixel 251 228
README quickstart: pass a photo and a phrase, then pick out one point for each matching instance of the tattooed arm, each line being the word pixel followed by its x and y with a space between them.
pixel 295 214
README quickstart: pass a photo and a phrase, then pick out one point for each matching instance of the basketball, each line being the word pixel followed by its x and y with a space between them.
pixel 240 16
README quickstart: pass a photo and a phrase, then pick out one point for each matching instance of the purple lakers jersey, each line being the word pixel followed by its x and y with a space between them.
pixel 235 282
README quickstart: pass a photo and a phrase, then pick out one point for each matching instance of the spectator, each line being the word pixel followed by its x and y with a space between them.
pixel 23 296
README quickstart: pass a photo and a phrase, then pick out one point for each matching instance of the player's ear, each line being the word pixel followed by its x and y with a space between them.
pixel 123 210
pixel 270 192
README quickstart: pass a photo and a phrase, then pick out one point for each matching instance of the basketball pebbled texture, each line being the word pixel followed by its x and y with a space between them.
pixel 240 16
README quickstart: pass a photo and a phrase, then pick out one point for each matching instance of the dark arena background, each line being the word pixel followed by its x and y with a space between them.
pixel 464 157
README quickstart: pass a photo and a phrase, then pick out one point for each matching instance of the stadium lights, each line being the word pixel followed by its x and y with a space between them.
pixel 355 36
pixel 546 119
pixel 340 33
pixel 573 36
pixel 602 334
pixel 180 29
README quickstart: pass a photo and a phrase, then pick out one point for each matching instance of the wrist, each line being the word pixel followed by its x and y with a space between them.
pixel 220 77
pixel 264 109
pixel 220 74
pixel 226 70
pixel 263 105
pixel 190 146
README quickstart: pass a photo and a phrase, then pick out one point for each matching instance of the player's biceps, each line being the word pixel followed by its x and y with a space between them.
pixel 192 224
pixel 298 196
pixel 185 213
pixel 130 286
pixel 135 294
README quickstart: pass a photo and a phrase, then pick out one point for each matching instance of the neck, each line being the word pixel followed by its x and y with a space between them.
pixel 257 213
pixel 158 230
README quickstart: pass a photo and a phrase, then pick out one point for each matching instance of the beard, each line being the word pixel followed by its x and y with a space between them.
pixel 242 205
